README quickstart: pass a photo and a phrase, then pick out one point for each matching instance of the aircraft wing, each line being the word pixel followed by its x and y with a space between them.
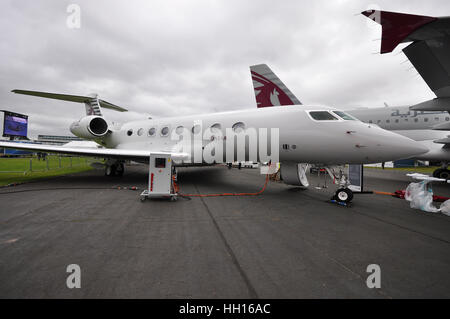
pixel 89 151
pixel 429 51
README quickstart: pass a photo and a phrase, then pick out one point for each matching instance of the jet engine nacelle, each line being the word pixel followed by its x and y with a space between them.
pixel 90 127
pixel 294 173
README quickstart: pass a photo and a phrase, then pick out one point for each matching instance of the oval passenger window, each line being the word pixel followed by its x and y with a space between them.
pixel 165 131
pixel 238 127
pixel 196 129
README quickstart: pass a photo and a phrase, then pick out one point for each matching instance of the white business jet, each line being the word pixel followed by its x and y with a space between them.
pixel 303 134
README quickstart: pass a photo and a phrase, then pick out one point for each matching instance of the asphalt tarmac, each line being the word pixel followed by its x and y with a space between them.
pixel 285 243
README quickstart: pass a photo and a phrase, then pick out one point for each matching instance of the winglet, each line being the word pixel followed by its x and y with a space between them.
pixel 396 27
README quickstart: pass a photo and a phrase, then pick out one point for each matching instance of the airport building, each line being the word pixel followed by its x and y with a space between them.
pixel 56 139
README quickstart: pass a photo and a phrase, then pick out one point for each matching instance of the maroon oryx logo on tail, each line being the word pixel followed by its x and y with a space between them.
pixel 268 93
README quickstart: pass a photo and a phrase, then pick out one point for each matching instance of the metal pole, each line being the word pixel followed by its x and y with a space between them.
pixel 59 157
pixel 31 164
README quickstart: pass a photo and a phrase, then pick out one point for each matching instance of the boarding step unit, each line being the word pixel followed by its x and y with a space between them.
pixel 160 184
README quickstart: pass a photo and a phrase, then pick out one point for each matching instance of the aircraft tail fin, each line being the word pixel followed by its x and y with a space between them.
pixel 269 90
pixel 92 103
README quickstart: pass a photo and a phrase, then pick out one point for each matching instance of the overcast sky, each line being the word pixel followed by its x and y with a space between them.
pixel 165 58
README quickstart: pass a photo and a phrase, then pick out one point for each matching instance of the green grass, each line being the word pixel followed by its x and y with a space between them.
pixel 17 170
pixel 420 169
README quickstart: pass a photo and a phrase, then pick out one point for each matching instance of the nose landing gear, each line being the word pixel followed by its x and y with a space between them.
pixel 343 195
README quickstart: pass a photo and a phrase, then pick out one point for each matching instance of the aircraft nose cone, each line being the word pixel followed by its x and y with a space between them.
pixel 400 147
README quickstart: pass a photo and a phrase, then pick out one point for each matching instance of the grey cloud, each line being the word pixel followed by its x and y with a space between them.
pixel 164 58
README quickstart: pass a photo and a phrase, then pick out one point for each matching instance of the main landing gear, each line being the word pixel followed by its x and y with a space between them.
pixel 114 168
pixel 442 172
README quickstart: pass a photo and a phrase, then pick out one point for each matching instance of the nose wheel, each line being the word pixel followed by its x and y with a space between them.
pixel 343 195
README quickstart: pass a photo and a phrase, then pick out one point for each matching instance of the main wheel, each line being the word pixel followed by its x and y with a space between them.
pixel 110 170
pixel 442 173
pixel 344 195
pixel 120 169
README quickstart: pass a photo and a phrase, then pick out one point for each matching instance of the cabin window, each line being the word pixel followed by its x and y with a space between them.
pixel 196 129
pixel 165 131
pixel 388 121
pixel 179 130
pixel 425 119
pixel 370 121
pixel 285 146
pixel 238 127
pixel 378 121
pixel 344 116
pixel 323 116
pixel 140 131
pixel 152 131
pixel 447 119
pixel 216 128
pixel 416 120
pixel 130 132
pixel 396 121
pixel 436 119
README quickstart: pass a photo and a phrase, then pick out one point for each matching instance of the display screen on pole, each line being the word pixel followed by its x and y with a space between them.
pixel 15 124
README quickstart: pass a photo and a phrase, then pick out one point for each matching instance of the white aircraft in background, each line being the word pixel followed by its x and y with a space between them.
pixel 307 134
pixel 427 122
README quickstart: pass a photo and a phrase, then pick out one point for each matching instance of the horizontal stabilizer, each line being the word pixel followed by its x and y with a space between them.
pixel 71 98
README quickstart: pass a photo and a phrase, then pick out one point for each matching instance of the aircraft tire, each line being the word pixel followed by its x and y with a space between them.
pixel 436 172
pixel 120 169
pixel 344 195
pixel 442 173
pixel 110 170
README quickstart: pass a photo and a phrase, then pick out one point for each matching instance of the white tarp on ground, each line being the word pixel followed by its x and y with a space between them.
pixel 445 207
pixel 420 194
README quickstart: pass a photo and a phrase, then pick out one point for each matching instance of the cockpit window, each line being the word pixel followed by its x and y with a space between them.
pixel 344 116
pixel 323 116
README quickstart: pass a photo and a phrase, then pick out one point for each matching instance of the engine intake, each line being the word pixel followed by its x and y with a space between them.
pixel 90 127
